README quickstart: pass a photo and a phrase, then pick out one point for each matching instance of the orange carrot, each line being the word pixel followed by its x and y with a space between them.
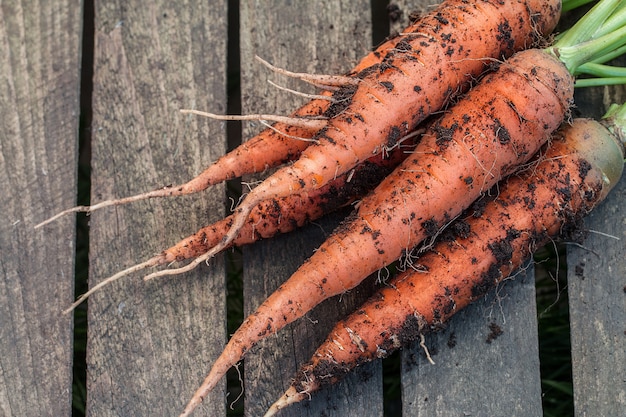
pixel 584 162
pixel 283 215
pixel 281 143
pixel 449 48
pixel 277 215
pixel 500 123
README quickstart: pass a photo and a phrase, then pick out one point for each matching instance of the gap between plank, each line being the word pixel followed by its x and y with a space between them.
pixel 83 191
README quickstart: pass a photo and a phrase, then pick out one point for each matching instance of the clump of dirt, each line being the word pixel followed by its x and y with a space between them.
pixel 495 331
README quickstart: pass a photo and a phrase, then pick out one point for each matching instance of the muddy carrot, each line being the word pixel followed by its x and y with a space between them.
pixel 275 216
pixel 449 48
pixel 284 141
pixel 547 201
pixel 497 126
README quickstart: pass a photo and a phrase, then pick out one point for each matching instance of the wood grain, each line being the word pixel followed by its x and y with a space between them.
pixel 150 344
pixel 39 109
pixel 476 373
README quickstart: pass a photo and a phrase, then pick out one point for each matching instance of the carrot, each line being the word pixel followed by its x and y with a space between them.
pixel 283 142
pixel 583 163
pixel 448 49
pixel 498 125
pixel 275 216
pixel 402 69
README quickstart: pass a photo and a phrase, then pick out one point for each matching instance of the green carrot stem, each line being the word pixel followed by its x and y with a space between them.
pixel 599 82
pixel 584 29
pixel 615 21
pixel 575 55
pixel 601 70
pixel 568 5
pixel 609 56
pixel 615 121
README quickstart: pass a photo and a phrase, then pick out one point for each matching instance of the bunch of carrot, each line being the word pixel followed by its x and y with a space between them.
pixel 370 111
pixel 546 201
pixel 356 128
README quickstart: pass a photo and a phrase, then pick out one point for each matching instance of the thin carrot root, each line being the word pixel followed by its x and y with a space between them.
pixel 157 260
pixel 301 94
pixel 321 81
pixel 189 267
pixel 313 123
pixel 162 192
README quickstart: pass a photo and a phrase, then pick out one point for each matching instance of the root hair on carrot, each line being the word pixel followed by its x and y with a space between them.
pixel 77 209
pixel 386 150
pixel 286 135
pixel 189 267
pixel 597 232
pixel 583 247
pixel 425 349
pixel 322 81
pixel 154 261
pixel 302 94
pixel 488 172
pixel 430 242
pixel 241 384
pixel 555 279
pixel 383 276
pixel 314 123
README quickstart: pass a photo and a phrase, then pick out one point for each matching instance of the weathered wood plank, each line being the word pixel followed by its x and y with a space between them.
pixel 150 344
pixel 597 292
pixel 315 38
pixel 471 376
pixel 39 109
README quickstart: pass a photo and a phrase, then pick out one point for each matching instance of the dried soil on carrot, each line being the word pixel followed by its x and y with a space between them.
pixel 438 60
pixel 529 210
pixel 424 193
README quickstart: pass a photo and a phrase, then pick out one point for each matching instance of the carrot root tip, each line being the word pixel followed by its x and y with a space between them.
pixel 313 123
pixel 78 209
pixel 291 396
pixel 321 81
pixel 147 264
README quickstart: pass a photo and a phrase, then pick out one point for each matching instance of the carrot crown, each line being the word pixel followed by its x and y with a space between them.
pixel 615 121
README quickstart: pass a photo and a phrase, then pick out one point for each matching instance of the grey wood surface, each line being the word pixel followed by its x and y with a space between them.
pixel 39 109
pixel 150 344
pixel 475 373
pixel 302 37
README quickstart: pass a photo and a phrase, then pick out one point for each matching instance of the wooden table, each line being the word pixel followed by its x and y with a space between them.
pixel 150 344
